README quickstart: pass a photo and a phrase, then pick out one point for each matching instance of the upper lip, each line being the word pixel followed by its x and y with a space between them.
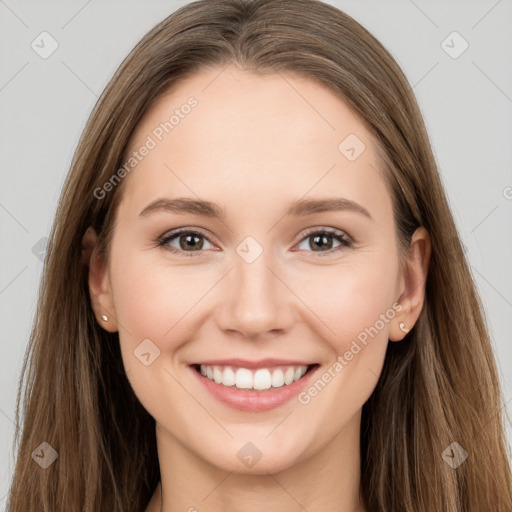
pixel 244 363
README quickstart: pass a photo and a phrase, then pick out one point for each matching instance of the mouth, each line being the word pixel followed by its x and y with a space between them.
pixel 254 387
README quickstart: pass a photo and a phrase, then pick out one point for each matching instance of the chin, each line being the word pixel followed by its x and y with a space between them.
pixel 258 455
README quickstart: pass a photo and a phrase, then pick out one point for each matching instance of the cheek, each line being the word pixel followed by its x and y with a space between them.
pixel 352 298
pixel 152 298
pixel 355 305
pixel 155 304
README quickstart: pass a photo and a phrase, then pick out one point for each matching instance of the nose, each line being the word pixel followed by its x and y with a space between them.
pixel 257 303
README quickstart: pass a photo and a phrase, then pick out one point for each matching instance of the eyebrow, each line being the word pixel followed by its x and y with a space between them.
pixel 300 208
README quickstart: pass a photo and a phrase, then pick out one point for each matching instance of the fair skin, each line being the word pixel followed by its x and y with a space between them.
pixel 254 145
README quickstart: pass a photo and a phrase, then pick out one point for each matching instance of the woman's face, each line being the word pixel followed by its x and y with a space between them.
pixel 263 280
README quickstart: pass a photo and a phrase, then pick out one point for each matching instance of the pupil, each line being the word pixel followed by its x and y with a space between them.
pixel 191 244
pixel 320 240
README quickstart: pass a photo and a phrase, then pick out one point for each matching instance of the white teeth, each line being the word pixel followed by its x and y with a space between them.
pixel 277 378
pixel 260 379
pixel 228 377
pixel 243 378
pixel 289 375
pixel 217 375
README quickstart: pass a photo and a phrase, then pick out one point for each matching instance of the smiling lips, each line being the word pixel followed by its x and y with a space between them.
pixel 253 386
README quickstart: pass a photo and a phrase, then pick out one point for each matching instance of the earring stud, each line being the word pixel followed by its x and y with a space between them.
pixel 403 328
pixel 104 318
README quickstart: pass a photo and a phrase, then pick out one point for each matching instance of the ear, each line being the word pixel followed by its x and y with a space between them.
pixel 99 281
pixel 413 282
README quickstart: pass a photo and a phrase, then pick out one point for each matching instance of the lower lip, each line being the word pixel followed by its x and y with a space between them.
pixel 255 401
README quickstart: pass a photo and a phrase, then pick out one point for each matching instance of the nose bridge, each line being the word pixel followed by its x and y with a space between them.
pixel 257 301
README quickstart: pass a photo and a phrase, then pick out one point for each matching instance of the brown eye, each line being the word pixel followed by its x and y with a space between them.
pixel 319 242
pixel 325 241
pixel 184 241
pixel 190 241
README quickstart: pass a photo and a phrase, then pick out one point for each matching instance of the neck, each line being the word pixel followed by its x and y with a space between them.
pixel 327 480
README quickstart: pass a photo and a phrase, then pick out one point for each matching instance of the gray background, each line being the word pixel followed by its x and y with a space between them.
pixel 44 103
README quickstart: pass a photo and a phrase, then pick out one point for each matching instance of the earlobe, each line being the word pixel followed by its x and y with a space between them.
pixel 99 282
pixel 414 277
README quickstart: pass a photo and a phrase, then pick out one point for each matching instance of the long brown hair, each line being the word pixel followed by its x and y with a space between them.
pixel 437 387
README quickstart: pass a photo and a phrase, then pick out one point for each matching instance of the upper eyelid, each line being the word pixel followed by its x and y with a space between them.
pixel 180 231
pixel 331 231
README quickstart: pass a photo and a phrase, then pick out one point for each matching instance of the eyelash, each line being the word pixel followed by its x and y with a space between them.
pixel 345 241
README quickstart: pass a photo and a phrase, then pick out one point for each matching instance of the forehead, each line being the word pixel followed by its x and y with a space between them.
pixel 224 132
